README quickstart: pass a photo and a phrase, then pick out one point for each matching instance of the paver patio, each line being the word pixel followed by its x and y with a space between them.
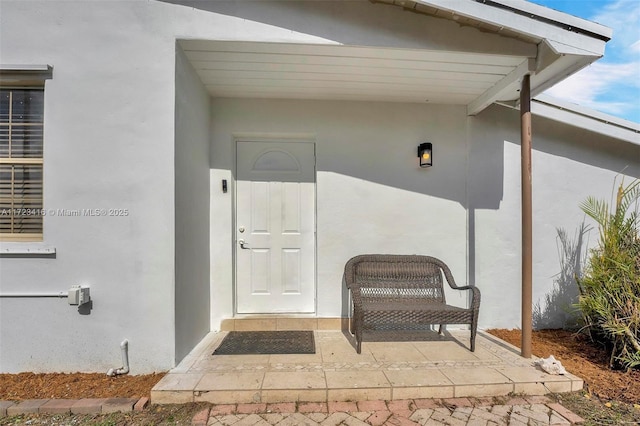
pixel 437 367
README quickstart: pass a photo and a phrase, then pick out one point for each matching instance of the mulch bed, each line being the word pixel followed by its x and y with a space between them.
pixel 16 387
pixel 584 359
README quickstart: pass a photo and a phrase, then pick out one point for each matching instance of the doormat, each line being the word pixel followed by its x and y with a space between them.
pixel 267 342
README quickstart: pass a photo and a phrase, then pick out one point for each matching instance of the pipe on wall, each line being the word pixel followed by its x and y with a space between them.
pixel 124 348
pixel 30 295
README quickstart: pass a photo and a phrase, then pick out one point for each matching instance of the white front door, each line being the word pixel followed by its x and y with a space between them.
pixel 275 227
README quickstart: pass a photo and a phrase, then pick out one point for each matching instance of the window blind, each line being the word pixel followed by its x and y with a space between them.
pixel 21 163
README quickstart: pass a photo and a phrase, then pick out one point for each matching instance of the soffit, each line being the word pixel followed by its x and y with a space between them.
pixel 309 71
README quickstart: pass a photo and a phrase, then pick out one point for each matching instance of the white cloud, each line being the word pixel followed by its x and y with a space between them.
pixel 596 86
pixel 623 16
pixel 612 84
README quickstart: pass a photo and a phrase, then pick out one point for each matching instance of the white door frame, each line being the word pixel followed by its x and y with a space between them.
pixel 275 138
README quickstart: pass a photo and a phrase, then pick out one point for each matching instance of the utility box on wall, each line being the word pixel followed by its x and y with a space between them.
pixel 79 295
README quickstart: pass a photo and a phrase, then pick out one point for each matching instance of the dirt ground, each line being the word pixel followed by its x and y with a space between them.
pixel 582 358
pixel 577 354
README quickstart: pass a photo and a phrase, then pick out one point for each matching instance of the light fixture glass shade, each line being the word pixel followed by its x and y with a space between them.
pixel 425 153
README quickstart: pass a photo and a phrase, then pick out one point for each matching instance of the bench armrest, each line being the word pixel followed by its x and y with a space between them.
pixel 475 295
pixel 475 299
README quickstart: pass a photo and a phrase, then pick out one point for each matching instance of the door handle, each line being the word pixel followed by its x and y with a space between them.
pixel 243 245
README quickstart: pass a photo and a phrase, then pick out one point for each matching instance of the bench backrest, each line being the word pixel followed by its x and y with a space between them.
pixel 396 277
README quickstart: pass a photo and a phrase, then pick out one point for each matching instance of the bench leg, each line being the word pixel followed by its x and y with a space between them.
pixel 358 336
pixel 473 340
pixel 356 322
pixel 474 330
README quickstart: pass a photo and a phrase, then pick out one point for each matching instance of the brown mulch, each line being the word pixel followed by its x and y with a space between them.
pixel 584 359
pixel 16 387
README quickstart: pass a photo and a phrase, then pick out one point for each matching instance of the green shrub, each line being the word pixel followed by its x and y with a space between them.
pixel 610 287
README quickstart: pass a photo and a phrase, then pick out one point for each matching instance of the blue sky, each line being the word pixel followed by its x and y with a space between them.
pixel 612 84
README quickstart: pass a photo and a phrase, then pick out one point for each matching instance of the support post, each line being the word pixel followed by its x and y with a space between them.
pixel 527 251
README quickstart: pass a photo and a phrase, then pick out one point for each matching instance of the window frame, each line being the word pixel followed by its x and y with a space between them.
pixel 20 77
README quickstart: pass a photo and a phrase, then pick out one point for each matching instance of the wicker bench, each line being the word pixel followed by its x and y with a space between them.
pixel 404 293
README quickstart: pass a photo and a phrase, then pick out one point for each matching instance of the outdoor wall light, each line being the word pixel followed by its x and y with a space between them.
pixel 425 153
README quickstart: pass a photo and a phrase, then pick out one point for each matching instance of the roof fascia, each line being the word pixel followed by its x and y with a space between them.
pixel 551 15
pixel 583 118
pixel 537 22
pixel 562 50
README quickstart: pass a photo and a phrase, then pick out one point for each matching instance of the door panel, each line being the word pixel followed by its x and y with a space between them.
pixel 260 268
pixel 275 219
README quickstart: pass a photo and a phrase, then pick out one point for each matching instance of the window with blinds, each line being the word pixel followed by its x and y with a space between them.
pixel 21 163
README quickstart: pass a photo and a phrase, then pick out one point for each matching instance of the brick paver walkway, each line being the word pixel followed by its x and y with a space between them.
pixel 529 411
pixel 532 411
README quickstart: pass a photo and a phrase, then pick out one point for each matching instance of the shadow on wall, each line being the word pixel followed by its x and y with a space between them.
pixel 373 142
pixel 558 308
pixel 575 143
pixel 377 24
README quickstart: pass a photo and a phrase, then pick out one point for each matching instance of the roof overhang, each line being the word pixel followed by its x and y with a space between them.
pixel 519 19
pixel 586 118
pixel 550 46
pixel 565 43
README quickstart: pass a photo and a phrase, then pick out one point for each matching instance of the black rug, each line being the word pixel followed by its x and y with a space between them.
pixel 267 342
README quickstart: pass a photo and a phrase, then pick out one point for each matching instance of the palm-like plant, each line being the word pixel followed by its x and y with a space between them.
pixel 610 287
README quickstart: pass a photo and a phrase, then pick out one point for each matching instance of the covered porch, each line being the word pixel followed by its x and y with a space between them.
pixel 432 367
pixel 364 95
pixel 365 101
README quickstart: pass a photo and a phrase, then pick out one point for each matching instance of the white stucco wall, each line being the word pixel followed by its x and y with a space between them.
pixel 191 208
pixel 568 165
pixel 115 138
pixel 108 128
pixel 109 143
pixel 372 197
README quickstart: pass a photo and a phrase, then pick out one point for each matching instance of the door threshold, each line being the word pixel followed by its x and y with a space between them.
pixel 266 322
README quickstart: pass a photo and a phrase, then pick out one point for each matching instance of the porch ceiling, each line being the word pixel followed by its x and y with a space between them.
pixel 556 45
pixel 297 71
